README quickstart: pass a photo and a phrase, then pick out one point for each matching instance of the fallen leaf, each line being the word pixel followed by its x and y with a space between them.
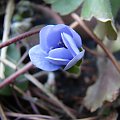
pixel 106 87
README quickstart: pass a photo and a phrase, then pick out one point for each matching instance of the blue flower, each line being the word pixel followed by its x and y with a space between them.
pixel 60 46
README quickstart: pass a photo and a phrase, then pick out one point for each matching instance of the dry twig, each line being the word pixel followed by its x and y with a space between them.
pixel 2 114
pixel 7 22
pixel 41 117
pixel 36 83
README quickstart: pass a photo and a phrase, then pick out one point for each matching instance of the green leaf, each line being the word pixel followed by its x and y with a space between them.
pixel 100 30
pixel 65 7
pixel 116 44
pixel 115 5
pixel 5 91
pixel 50 1
pixel 13 54
pixel 111 31
pixel 75 69
pixel 100 9
pixel 105 29
pixel 23 85
pixel 79 63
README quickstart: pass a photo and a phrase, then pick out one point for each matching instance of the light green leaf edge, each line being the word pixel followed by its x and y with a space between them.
pixel 101 10
pixel 103 29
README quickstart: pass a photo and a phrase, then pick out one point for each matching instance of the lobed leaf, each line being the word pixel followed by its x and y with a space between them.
pixel 101 10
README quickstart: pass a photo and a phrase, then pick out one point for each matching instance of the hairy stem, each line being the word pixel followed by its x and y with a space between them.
pixel 19 37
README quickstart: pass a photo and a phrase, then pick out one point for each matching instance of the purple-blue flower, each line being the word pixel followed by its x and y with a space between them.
pixel 60 46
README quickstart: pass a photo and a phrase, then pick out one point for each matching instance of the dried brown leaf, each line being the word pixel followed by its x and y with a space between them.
pixel 106 87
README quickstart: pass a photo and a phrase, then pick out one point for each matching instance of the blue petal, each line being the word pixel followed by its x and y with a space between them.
pixel 61 53
pixel 60 28
pixel 76 38
pixel 75 60
pixel 54 36
pixel 37 56
pixel 58 61
pixel 43 34
pixel 70 44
